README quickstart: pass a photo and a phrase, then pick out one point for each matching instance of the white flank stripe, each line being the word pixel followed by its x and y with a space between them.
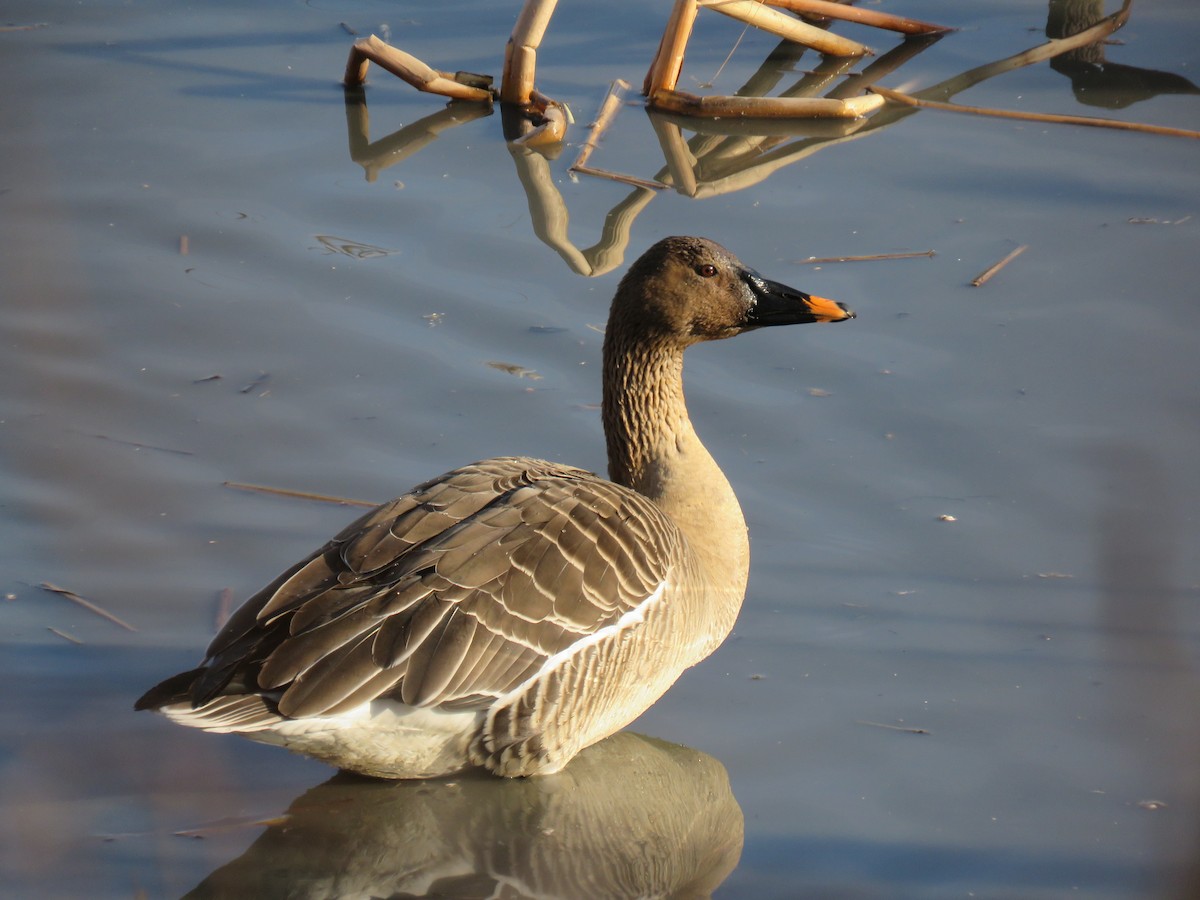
pixel 635 616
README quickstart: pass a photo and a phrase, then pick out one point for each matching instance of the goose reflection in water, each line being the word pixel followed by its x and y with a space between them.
pixel 630 816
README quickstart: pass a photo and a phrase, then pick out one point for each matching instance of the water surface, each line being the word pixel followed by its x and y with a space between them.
pixel 325 332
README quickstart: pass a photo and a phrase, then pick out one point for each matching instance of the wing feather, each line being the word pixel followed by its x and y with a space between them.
pixel 452 595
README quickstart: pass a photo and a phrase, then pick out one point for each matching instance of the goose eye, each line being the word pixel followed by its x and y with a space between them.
pixel 708 270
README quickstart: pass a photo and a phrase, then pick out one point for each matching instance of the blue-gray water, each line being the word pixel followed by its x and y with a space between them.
pixel 1044 641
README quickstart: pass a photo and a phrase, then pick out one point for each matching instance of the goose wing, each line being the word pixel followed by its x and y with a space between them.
pixel 451 595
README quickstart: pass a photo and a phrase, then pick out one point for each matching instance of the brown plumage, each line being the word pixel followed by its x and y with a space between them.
pixel 511 612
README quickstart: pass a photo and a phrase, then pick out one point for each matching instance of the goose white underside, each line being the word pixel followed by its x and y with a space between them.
pixel 381 738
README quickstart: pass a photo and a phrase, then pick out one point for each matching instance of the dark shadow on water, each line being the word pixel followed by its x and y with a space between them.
pixel 1094 80
pixel 168 54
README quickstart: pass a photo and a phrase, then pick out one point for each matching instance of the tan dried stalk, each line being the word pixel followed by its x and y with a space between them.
pixel 786 26
pixel 1054 118
pixel 609 108
pixel 986 275
pixel 686 104
pixel 849 13
pixel 520 54
pixel 668 60
pixel 406 66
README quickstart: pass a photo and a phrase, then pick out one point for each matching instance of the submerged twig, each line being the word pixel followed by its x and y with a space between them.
pixel 86 604
pixel 619 176
pixel 263 378
pixel 904 728
pixel 984 276
pixel 812 260
pixel 138 445
pixel 1055 118
pixel 231 823
pixel 63 635
pixel 298 495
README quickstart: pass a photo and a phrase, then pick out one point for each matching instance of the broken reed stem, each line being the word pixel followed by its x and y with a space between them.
pixel 983 277
pixel 1053 118
pixel 829 10
pixel 668 60
pixel 608 111
pixel 686 104
pixel 553 127
pixel 813 260
pixel 520 53
pixel 63 635
pixel 86 604
pixel 299 495
pixel 786 26
pixel 407 67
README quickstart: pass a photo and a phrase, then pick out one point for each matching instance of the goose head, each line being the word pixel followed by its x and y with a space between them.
pixel 690 289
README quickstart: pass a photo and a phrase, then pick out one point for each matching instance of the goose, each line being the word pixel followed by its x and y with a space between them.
pixel 508 614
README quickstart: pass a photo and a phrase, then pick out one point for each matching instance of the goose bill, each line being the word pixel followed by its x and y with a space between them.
pixel 778 304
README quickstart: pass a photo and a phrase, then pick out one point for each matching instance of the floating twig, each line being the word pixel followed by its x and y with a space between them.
pixel 1149 220
pixel 514 370
pixel 904 728
pixel 299 495
pixel 86 604
pixel 983 277
pixel 813 260
pixel 63 635
pixel 263 378
pixel 140 446
pixel 1053 118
